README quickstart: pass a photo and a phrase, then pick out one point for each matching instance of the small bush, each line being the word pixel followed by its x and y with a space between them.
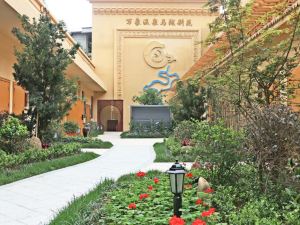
pixel 13 135
pixel 55 131
pixel 273 138
pixel 220 146
pixel 95 129
pixel 185 130
pixel 71 127
pixel 174 146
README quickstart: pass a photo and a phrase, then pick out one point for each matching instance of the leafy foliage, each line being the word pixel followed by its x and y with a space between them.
pixel 185 130
pixel 94 129
pixel 87 142
pixel 148 130
pixel 273 138
pixel 190 101
pixel 34 155
pixel 71 127
pixel 13 135
pixel 220 146
pixel 255 72
pixel 112 206
pixel 40 70
pixel 149 97
pixel 9 175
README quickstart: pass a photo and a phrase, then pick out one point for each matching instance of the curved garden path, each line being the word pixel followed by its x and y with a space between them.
pixel 36 200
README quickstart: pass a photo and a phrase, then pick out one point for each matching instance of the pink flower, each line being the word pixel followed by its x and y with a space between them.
pixel 176 221
pixel 199 222
pixel 142 196
pixel 132 206
pixel 156 180
pixel 140 174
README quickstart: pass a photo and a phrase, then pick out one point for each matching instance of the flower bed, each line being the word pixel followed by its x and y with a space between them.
pixel 144 199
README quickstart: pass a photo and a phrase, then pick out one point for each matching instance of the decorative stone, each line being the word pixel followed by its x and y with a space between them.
pixel 202 184
pixel 35 142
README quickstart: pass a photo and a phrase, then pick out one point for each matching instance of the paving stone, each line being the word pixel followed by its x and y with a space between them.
pixel 35 200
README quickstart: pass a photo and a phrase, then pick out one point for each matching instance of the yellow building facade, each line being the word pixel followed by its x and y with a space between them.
pixel 141 44
pixel 13 98
pixel 137 45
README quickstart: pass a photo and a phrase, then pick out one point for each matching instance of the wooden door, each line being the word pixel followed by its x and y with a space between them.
pixel 108 111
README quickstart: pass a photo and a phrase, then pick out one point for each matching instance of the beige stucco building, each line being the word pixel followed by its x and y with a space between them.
pixel 135 41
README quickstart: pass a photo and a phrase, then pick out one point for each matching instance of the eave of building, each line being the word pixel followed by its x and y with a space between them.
pixel 149 1
pixel 82 66
pixel 208 61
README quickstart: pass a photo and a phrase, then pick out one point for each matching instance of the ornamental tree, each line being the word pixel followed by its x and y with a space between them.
pixel 40 69
pixel 190 101
pixel 252 72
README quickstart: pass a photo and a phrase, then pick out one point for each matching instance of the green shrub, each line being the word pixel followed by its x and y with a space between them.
pixel 71 127
pixel 87 142
pixel 149 97
pixel 220 146
pixel 148 130
pixel 185 130
pixel 13 135
pixel 34 155
pixel 55 131
pixel 257 211
pixel 95 129
pixel 174 146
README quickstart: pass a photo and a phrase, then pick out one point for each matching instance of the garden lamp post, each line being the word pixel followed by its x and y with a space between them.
pixel 176 173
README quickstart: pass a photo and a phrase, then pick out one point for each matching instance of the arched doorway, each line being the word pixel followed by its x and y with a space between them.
pixel 110 114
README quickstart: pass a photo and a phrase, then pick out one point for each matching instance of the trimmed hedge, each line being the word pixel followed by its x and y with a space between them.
pixel 88 142
pixel 128 134
pixel 34 155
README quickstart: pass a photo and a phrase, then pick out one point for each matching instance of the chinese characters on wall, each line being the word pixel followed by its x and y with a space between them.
pixel 159 22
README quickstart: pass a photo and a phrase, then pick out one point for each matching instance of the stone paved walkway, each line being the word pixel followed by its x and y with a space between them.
pixel 36 200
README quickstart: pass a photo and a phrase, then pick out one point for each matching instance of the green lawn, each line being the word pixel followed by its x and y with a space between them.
pixel 32 169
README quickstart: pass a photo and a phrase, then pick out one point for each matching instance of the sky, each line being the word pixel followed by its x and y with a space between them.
pixel 75 13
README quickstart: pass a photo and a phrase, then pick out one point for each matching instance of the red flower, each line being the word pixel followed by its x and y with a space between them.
pixel 209 190
pixel 176 221
pixel 150 188
pixel 142 196
pixel 189 175
pixel 199 222
pixel 140 174
pixel 156 180
pixel 132 206
pixel 212 210
pixel 208 212
pixel 199 201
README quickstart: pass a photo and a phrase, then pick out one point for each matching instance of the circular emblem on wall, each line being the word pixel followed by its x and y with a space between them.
pixel 156 56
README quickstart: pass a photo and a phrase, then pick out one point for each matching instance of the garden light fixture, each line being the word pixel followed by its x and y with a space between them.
pixel 176 173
